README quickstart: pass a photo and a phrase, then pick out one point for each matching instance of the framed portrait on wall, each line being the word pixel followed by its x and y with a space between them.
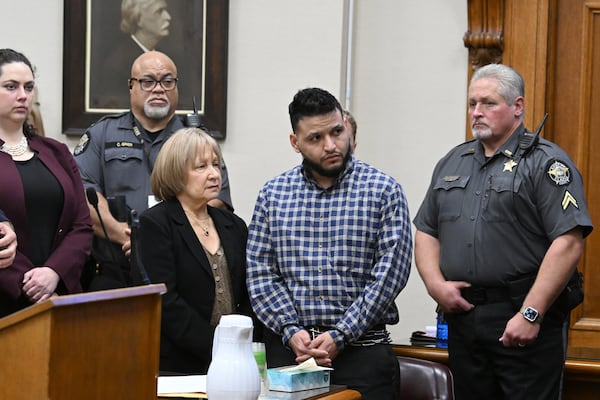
pixel 102 38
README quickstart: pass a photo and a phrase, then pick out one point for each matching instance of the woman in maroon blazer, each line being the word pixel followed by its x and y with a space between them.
pixel 42 195
pixel 198 251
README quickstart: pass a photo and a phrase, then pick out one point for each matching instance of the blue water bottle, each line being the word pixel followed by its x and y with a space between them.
pixel 442 331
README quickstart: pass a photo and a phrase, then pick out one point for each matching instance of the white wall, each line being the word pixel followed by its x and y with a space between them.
pixel 407 93
pixel 408 96
pixel 35 28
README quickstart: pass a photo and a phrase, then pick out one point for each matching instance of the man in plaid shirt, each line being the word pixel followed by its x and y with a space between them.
pixel 329 249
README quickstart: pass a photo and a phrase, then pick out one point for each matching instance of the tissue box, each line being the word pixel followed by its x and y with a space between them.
pixel 292 381
pixel 300 395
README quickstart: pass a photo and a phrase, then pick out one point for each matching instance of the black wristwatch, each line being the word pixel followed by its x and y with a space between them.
pixel 531 314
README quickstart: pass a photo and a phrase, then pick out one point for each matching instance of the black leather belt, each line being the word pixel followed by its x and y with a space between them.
pixel 485 295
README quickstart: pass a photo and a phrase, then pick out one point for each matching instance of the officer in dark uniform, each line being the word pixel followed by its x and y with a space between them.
pixel 116 155
pixel 499 235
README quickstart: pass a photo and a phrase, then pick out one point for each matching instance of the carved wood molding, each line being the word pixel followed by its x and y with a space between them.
pixel 485 39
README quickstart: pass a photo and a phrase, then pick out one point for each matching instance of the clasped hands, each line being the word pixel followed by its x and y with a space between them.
pixel 322 348
pixel 40 283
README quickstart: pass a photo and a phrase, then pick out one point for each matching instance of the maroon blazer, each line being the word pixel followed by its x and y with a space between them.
pixel 73 235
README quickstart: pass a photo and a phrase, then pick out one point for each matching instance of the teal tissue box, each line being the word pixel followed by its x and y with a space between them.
pixel 293 381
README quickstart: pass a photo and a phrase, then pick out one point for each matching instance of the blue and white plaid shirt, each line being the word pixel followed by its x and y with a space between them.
pixel 336 257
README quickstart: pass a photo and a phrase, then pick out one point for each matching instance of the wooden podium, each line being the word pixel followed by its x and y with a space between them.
pixel 96 345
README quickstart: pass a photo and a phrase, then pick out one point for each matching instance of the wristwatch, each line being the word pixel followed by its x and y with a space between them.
pixel 531 314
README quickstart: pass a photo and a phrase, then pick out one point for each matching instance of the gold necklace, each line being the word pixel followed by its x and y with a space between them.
pixel 199 221
pixel 16 150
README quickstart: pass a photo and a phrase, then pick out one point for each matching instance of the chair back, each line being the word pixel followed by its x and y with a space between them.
pixel 425 380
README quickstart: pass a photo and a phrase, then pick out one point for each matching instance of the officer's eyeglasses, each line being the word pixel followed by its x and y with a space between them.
pixel 148 84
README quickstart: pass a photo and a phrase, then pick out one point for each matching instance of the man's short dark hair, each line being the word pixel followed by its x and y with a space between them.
pixel 310 102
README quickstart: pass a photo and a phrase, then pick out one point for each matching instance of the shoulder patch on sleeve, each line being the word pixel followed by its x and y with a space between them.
pixel 84 141
pixel 558 172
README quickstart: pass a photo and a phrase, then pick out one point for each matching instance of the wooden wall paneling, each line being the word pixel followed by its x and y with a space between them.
pixel 484 36
pixel 567 62
pixel 526 50
pixel 516 33
pixel 585 331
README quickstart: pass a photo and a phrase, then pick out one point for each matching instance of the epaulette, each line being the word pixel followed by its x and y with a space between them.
pixel 108 116
pixel 465 147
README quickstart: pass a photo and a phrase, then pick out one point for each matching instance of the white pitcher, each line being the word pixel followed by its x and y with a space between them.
pixel 233 373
